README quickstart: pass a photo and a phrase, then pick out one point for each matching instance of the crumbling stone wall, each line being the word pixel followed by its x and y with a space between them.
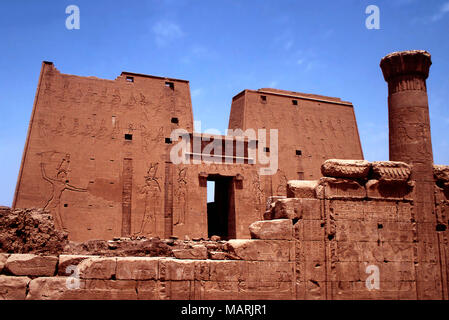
pixel 322 242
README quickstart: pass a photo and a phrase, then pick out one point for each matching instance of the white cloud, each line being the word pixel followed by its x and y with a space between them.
pixel 166 31
pixel 444 9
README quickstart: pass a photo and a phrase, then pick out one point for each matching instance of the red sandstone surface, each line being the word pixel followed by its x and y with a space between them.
pixel 358 230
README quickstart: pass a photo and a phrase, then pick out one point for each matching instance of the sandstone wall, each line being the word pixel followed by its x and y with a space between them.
pixel 329 240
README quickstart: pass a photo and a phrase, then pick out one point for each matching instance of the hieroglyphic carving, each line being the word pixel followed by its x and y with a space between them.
pixel 116 98
pixel 282 184
pixel 58 177
pixel 44 127
pixel 151 191
pixel 74 130
pixel 60 126
pixel 258 193
pixel 181 197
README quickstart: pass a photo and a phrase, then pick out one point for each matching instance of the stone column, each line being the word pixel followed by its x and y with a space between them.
pixel 409 138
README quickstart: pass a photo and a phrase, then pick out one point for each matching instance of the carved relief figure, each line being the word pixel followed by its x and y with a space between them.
pixel 181 198
pixel 58 178
pixel 152 194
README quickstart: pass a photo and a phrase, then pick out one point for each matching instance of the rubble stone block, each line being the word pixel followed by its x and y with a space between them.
pixel 391 171
pixel 337 168
pixel 31 265
pixel 173 269
pixel 301 188
pixel 137 268
pixel 13 288
pixel 293 208
pixel 97 268
pixel 261 250
pixel 217 255
pixel 279 229
pixel 337 188
pixel 196 252
pixel 66 261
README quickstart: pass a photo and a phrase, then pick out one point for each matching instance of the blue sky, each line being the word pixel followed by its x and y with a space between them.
pixel 223 47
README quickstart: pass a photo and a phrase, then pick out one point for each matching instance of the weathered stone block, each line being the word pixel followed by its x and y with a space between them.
pixel 66 261
pixel 3 258
pixel 266 290
pixel 338 168
pixel 396 231
pixel 172 269
pixel 137 268
pixel 293 208
pixel 105 290
pixel 280 229
pixel 13 288
pixel 334 188
pixel 49 288
pixel 441 173
pixel 147 290
pixel 342 290
pixel 347 230
pixel 97 268
pixel 197 252
pixel 262 250
pixel 348 271
pixel 301 188
pixel 217 255
pixel 358 251
pixel 387 190
pixel 227 270
pixel 391 171
pixel 270 270
pixel 31 265
pixel 397 251
pixel 221 290
pixel 309 230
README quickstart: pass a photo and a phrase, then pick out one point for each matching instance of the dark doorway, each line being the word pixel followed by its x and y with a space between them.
pixel 221 212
